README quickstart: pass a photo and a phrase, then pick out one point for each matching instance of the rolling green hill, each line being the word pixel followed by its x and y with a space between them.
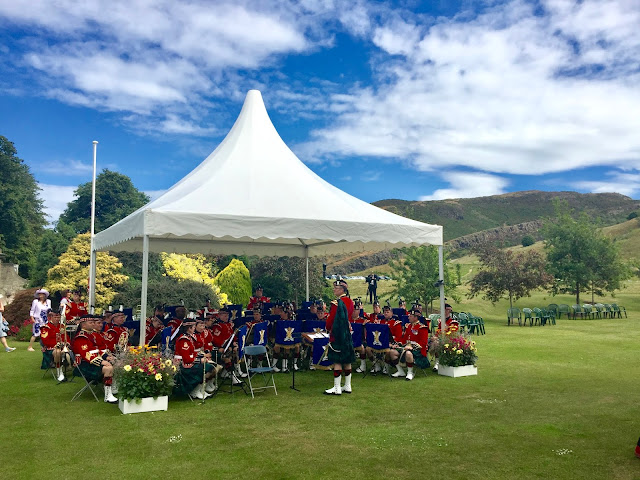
pixel 464 216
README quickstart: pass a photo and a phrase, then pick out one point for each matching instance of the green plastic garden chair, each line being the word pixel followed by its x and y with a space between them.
pixel 577 310
pixel 599 310
pixel 563 308
pixel 479 321
pixel 553 308
pixel 616 310
pixel 526 313
pixel 513 313
pixel 587 310
pixel 607 311
pixel 536 316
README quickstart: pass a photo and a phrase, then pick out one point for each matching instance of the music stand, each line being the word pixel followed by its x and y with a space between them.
pixel 229 344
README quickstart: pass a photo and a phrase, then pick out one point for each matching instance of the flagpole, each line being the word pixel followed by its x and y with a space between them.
pixel 92 261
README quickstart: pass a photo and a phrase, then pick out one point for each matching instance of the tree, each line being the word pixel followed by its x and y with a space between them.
pixel 168 290
pixel 528 240
pixel 417 275
pixel 21 216
pixel 192 268
pixel 72 271
pixel 284 278
pixel 53 243
pixel 235 281
pixel 507 274
pixel 116 197
pixel 580 257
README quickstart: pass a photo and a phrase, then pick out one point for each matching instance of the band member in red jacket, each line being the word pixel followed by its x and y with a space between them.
pixel 413 347
pixel 52 337
pixel 116 336
pixel 258 298
pixel 340 348
pixel 95 364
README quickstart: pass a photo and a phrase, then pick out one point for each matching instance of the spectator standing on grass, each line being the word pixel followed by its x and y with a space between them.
pixel 372 286
pixel 4 329
pixel 38 313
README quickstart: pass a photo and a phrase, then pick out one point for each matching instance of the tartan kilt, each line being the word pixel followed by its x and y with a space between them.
pixel 91 372
pixel 189 378
pixel 418 359
pixel 47 359
pixel 345 356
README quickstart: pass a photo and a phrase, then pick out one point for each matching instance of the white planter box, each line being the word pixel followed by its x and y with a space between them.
pixel 148 404
pixel 463 371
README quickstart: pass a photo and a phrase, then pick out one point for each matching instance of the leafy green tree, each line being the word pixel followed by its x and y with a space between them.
pixel 72 271
pixel 167 290
pixel 53 243
pixel 416 275
pixel 508 274
pixel 528 240
pixel 193 268
pixel 21 216
pixel 235 281
pixel 284 278
pixel 580 257
pixel 116 197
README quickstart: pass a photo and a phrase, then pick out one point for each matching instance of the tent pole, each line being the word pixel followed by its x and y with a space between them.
pixel 306 256
pixel 143 294
pixel 441 278
pixel 92 253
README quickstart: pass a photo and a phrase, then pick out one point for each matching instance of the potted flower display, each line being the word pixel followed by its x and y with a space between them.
pixel 455 353
pixel 144 379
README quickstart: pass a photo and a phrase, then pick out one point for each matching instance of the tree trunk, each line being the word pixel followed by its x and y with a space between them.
pixel 510 300
pixel 577 294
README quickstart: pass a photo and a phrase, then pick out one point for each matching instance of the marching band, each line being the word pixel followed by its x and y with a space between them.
pixel 206 346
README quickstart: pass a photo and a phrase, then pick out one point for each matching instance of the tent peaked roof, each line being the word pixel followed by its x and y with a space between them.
pixel 252 195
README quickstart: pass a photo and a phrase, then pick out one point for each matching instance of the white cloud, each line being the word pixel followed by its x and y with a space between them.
pixel 55 198
pixel 468 185
pixel 625 183
pixel 70 167
pixel 506 92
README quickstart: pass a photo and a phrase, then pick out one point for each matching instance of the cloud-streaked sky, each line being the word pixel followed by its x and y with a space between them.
pixel 406 99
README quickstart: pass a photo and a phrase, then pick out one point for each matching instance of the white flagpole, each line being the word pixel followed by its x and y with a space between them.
pixel 92 264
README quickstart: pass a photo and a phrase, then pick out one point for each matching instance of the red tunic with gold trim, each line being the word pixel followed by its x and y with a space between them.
pixel 50 335
pixel 76 309
pixel 451 325
pixel 113 334
pixel 417 333
pixel 174 323
pixel 186 350
pixel 84 344
pixel 221 333
pixel 332 313
pixel 204 340
pixel 395 328
pixel 361 320
pixel 253 301
pixel 150 332
pixel 99 340
pixel 373 317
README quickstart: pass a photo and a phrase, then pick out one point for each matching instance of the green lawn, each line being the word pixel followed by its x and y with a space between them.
pixel 548 402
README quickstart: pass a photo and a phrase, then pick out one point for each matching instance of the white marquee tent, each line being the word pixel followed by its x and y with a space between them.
pixel 253 196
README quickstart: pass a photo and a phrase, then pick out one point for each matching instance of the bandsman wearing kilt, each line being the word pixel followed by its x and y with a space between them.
pixel 196 370
pixel 53 343
pixel 95 363
pixel 413 349
pixel 340 347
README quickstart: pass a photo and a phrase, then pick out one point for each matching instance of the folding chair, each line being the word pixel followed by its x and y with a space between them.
pixel 257 351
pixel 47 364
pixel 377 336
pixel 88 384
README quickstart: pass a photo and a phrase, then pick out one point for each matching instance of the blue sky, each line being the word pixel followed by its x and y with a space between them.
pixel 406 99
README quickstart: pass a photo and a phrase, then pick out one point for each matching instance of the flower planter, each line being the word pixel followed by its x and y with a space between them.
pixel 148 404
pixel 463 371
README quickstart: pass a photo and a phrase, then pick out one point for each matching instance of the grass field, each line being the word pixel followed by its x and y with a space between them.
pixel 548 402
